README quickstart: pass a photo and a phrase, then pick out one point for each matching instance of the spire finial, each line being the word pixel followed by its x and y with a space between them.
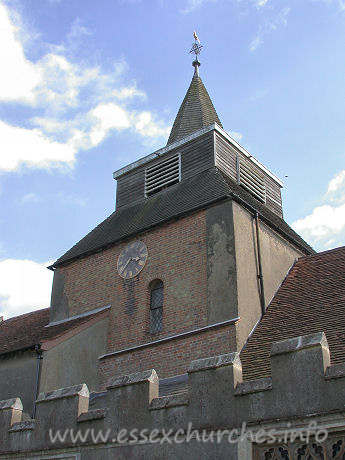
pixel 196 49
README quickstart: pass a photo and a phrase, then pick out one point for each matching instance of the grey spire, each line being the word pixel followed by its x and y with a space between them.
pixel 196 111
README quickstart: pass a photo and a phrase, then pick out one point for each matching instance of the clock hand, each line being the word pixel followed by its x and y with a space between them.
pixel 129 260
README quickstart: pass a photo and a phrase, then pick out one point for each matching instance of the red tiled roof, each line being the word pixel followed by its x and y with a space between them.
pixel 27 330
pixel 311 299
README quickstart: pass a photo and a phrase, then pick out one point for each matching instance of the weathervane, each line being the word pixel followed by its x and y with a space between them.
pixel 196 49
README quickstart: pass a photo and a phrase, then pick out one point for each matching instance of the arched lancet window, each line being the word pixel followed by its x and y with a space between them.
pixel 156 306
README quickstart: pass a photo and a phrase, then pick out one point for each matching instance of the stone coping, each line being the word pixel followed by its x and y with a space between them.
pixel 253 386
pixel 94 414
pixel 23 426
pixel 215 362
pixel 299 343
pixel 335 371
pixel 137 377
pixel 169 401
pixel 69 392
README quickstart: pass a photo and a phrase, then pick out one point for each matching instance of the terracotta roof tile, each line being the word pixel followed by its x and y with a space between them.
pixel 27 330
pixel 311 299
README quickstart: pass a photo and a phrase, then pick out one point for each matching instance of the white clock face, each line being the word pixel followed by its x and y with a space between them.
pixel 132 260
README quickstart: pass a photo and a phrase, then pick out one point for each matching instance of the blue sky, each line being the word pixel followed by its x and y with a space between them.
pixel 87 87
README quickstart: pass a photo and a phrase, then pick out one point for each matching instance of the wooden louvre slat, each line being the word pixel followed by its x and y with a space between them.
pixel 252 181
pixel 163 174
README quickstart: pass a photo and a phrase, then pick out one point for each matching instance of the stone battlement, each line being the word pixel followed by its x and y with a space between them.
pixel 303 383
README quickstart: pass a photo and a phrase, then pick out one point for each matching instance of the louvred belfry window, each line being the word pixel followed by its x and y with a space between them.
pixel 252 181
pixel 163 174
pixel 156 306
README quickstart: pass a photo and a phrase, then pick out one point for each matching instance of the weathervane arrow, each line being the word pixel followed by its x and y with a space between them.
pixel 196 49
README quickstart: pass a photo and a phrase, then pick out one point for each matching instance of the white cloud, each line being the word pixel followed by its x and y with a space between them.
pixel 18 76
pixel 66 198
pixel 146 125
pixel 235 135
pixel 325 225
pixel 77 31
pixel 30 198
pixel 282 18
pixel 30 147
pixel 105 118
pixel 72 103
pixel 109 116
pixel 271 23
pixel 336 188
pixel 329 244
pixel 25 286
pixel 261 3
pixel 322 222
pixel 128 93
pixel 255 43
pixel 192 5
pixel 339 4
pixel 337 182
pixel 73 199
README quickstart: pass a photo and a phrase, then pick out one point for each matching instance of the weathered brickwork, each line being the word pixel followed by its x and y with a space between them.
pixel 170 358
pixel 177 256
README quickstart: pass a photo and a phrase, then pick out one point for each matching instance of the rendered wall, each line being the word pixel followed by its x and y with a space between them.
pixel 75 359
pixel 59 308
pixel 221 264
pixel 18 377
pixel 277 255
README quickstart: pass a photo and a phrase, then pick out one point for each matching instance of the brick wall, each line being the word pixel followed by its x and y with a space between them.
pixel 178 256
pixel 172 357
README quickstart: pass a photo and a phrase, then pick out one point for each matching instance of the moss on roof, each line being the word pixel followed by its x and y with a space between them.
pixel 197 192
pixel 196 112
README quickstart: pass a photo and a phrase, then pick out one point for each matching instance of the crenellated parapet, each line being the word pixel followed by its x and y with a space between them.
pixel 303 383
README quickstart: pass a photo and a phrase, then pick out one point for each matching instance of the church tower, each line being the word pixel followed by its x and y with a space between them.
pixel 191 257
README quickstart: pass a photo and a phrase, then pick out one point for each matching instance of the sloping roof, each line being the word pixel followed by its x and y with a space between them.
pixel 196 111
pixel 311 299
pixel 26 331
pixel 195 193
